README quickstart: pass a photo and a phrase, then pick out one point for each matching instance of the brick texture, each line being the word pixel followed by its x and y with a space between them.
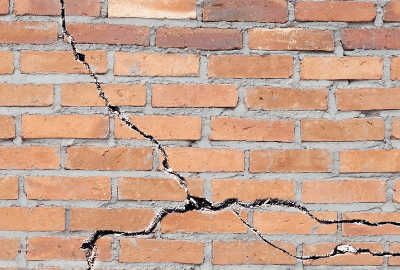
pixel 7 130
pixel 9 188
pixel 369 160
pixel 26 95
pixel 4 6
pixel 391 11
pixel 28 32
pixel 356 230
pixel 376 39
pixel 6 58
pixel 52 7
pixel 396 195
pixel 9 248
pixel 394 247
pixel 395 68
pixel 29 157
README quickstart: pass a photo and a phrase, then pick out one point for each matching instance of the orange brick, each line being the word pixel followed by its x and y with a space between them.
pixel 67 188
pixel 155 64
pixel 356 230
pixel 356 129
pixel 239 129
pixel 152 250
pixel 106 158
pixel 61 62
pixel 250 190
pixel 244 66
pixel 89 219
pixel 391 11
pixel 185 95
pixel 28 32
pixel 29 157
pixel 369 161
pixel 156 189
pixel 7 130
pixel 9 188
pixel 7 60
pixel 9 248
pixel 197 222
pixel 341 68
pixel 52 7
pixel 162 127
pixel 258 252
pixel 32 219
pixel 4 6
pixel 376 39
pixel 395 68
pixel 166 9
pixel 205 160
pixel 395 133
pixel 290 161
pixel 396 195
pixel 278 98
pixel 346 191
pixel 79 94
pixel 26 95
pixel 291 39
pixel 394 247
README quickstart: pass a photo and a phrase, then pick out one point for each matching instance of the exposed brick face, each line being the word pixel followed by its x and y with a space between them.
pixel 391 11
pixel 52 7
pixel 9 188
pixel 28 32
pixel 7 60
pixel 26 95
pixel 395 68
pixel 4 6
pixel 9 248
pixel 29 157
pixel 376 39
pixel 369 160
pixel 7 130
pixel 357 230
pixel 396 195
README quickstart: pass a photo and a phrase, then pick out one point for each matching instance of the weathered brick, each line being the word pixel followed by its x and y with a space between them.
pixel 395 132
pixel 61 62
pixel 336 11
pixel 396 195
pixel 52 7
pixel 391 11
pixel 28 32
pixel 356 230
pixel 395 68
pixel 256 10
pixel 239 129
pixel 290 161
pixel 376 39
pixel 291 39
pixel 162 127
pixel 109 158
pixel 9 248
pixel 7 130
pixel 67 188
pixel 278 98
pixel 166 9
pixel 205 160
pixel 29 157
pixel 26 95
pixel 394 247
pixel 370 161
pixel 244 66
pixel 152 250
pixel 4 6
pixel 155 64
pixel 7 62
pixel 346 191
pixel 341 68
pixel 9 188
pixel 185 95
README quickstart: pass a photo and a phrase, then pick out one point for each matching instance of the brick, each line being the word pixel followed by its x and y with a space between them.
pixel 199 38
pixel 391 11
pixel 109 158
pixel 26 95
pixel 109 33
pixel 89 219
pixel 67 188
pixel 7 130
pixel 42 248
pixel 395 132
pixel 9 248
pixel 156 189
pixel 4 6
pixel 162 127
pixel 394 247
pixel 346 191
pixel 292 223
pixel 152 250
pixel 82 94
pixel 244 66
pixel 341 68
pixel 396 195
pixel 395 68
pixel 197 222
pixel 7 60
pixel 185 95
pixel 250 190
pixel 205 160
pixel 239 129
pixel 29 157
pixel 278 98
pixel 290 161
pixel 166 9
pixel 336 11
pixel 370 161
pixel 254 252
pixel 356 230
pixel 52 7
pixel 28 32
pixel 356 129
pixel 32 219
pixel 291 39
pixel 255 11
pixel 375 39
pixel 62 62
pixel 345 259
pixel 9 188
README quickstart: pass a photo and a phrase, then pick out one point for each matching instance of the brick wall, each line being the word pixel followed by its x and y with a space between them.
pixel 298 100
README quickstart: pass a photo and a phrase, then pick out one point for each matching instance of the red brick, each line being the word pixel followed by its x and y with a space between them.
pixel 356 230
pixel 244 66
pixel 341 68
pixel 32 219
pixel 89 219
pixel 9 248
pixel 152 250
pixel 162 127
pixel 290 161
pixel 395 133
pixel 29 157
pixel 4 6
pixel 239 129
pixel 258 252
pixel 52 7
pixel 67 188
pixel 370 161
pixel 7 62
pixel 9 188
pixel 376 39
pixel 205 160
pixel 256 10
pixel 26 95
pixel 336 11
pixel 291 39
pixel 278 98
pixel 7 130
pixel 185 95
pixel 109 158
pixel 395 68
pixel 391 11
pixel 61 62
pixel 396 195
pixel 346 191
pixel 394 247
pixel 28 32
